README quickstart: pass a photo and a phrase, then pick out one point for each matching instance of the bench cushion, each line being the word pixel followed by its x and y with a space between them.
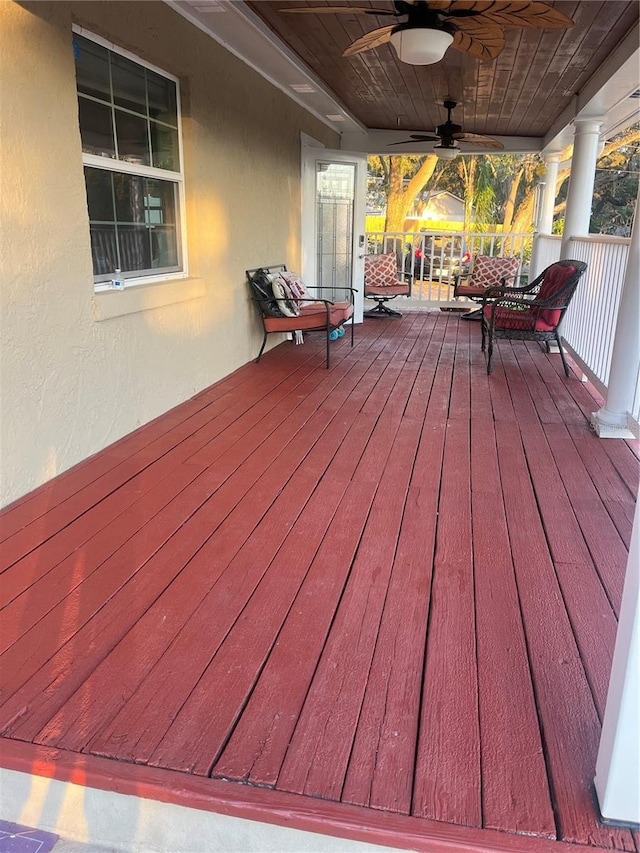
pixel 313 316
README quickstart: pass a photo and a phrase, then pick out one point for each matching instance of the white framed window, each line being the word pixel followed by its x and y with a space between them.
pixel 130 127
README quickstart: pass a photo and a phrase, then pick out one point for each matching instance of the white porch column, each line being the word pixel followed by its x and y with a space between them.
pixel 544 225
pixel 548 200
pixel 612 420
pixel 583 174
pixel 618 766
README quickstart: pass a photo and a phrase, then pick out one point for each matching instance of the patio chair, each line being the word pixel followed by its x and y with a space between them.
pixel 486 272
pixel 533 312
pixel 383 282
pixel 293 309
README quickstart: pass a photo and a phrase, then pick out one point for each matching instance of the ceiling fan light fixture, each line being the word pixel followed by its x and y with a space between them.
pixel 446 152
pixel 420 46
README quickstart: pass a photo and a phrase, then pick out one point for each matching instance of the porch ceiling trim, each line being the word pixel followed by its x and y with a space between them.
pixel 606 96
pixel 234 26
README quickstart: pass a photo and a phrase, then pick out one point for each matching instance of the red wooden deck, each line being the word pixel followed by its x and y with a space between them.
pixel 377 601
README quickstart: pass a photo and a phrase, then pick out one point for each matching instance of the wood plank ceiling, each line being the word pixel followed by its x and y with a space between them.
pixel 520 93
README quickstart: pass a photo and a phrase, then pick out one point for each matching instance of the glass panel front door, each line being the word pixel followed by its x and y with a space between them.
pixel 333 223
pixel 335 193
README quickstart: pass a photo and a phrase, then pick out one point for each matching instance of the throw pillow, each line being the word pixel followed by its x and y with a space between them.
pixel 298 287
pixel 489 272
pixel 381 270
pixel 285 296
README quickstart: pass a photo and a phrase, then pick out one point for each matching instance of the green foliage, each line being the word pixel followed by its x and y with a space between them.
pixel 498 189
pixel 615 192
pixel 484 182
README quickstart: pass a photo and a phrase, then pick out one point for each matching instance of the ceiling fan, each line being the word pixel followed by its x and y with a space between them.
pixel 448 135
pixel 429 27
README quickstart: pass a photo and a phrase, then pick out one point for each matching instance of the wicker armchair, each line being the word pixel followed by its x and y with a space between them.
pixel 531 313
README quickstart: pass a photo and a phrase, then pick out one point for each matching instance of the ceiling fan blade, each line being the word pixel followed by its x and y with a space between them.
pixel 416 137
pixel 514 14
pixel 480 39
pixel 335 10
pixel 369 41
pixel 479 140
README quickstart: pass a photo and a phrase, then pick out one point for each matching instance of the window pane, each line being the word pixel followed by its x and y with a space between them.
pixel 164 247
pixel 99 195
pixel 135 253
pixel 164 146
pixel 129 195
pixel 92 68
pixel 129 113
pixel 96 128
pixel 133 141
pixel 104 249
pixel 160 201
pixel 162 98
pixel 129 85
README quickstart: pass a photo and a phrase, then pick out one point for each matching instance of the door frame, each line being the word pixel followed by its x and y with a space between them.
pixel 311 155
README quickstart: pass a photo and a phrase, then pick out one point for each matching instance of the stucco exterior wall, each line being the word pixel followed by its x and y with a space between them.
pixel 78 369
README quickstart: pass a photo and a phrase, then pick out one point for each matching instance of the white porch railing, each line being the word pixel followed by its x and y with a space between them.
pixel 433 259
pixel 546 251
pixel 590 322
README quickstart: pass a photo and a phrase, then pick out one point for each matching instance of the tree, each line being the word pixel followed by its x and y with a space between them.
pixel 405 178
pixel 478 179
pixel 621 151
pixel 501 189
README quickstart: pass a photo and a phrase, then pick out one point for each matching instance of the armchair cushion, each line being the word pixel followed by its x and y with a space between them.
pixel 381 270
pixel 397 289
pixel 524 320
pixel 554 278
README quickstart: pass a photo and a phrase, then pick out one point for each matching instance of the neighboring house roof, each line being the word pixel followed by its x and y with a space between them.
pixel 441 205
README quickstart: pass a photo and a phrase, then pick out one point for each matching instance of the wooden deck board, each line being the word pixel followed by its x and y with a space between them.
pixel 562 692
pixel 213 417
pixel 380 771
pixel 205 510
pixel 126 484
pixel 390 587
pixel 515 789
pixel 576 572
pixel 449 742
